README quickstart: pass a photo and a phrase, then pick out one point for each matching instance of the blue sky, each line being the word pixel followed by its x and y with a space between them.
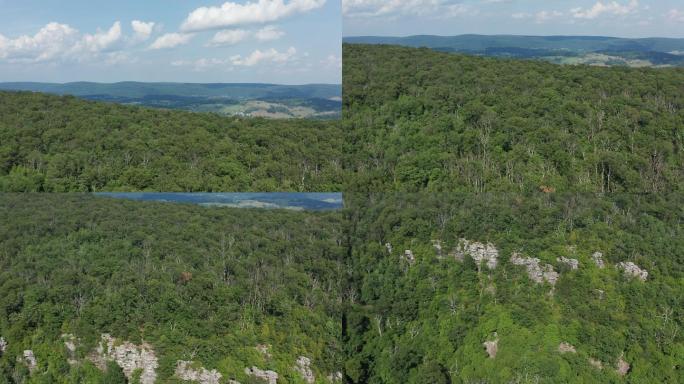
pixel 268 41
pixel 622 18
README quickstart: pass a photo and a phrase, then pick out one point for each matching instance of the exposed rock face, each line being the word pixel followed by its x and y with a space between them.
pixel 437 244
pixel 632 270
pixel 264 350
pixel 270 376
pixel 408 255
pixel 492 346
pixel 598 259
pixel 128 356
pixel 596 363
pixel 335 377
pixel 536 271
pixel 478 251
pixel 30 360
pixel 566 348
pixel 572 263
pixel 389 248
pixel 303 366
pixel 622 368
pixel 184 371
pixel 3 346
pixel 70 344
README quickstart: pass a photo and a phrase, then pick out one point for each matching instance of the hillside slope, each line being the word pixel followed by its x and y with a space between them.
pixel 64 144
pixel 226 289
pixel 417 119
pixel 506 288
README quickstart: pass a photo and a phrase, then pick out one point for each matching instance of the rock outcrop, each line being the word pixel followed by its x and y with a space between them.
pixel 572 263
pixel 303 366
pixel 437 245
pixel 622 367
pixel 596 363
pixel 566 348
pixel 265 350
pixel 478 251
pixel 70 342
pixel 492 346
pixel 632 270
pixel 335 377
pixel 185 371
pixel 3 346
pixel 598 259
pixel 270 377
pixel 30 360
pixel 409 256
pixel 535 270
pixel 128 356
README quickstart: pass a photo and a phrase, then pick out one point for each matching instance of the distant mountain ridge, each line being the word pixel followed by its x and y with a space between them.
pixel 132 89
pixel 321 101
pixel 561 49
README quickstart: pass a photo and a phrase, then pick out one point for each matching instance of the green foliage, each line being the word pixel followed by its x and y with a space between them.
pixel 427 321
pixel 196 283
pixel 420 120
pixel 64 144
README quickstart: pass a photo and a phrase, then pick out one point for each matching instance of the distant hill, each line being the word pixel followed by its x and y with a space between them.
pixel 596 50
pixel 264 100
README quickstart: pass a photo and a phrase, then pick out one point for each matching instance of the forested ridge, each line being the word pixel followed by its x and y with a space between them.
pixel 64 144
pixel 225 288
pixel 503 288
pixel 416 119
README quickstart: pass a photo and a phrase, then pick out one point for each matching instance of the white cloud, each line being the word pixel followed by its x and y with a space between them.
pixel 675 15
pixel 394 8
pixel 229 37
pixel 231 14
pixel 332 61
pixel 600 8
pixel 57 41
pixel 142 29
pixel 204 64
pixel 373 8
pixel 100 41
pixel 258 56
pixel 268 33
pixel 521 15
pixel 171 40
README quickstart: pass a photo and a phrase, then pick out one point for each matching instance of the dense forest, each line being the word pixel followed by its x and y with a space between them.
pixel 416 119
pixel 64 144
pixel 225 289
pixel 501 288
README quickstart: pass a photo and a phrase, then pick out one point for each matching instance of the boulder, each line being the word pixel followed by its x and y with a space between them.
pixel 185 371
pixel 632 270
pixel 478 251
pixel 30 360
pixel 598 259
pixel 492 346
pixel 70 342
pixel 535 270
pixel 622 367
pixel 437 244
pixel 408 256
pixel 128 356
pixel 566 348
pixel 303 366
pixel 335 377
pixel 596 363
pixel 389 248
pixel 270 377
pixel 3 346
pixel 572 263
